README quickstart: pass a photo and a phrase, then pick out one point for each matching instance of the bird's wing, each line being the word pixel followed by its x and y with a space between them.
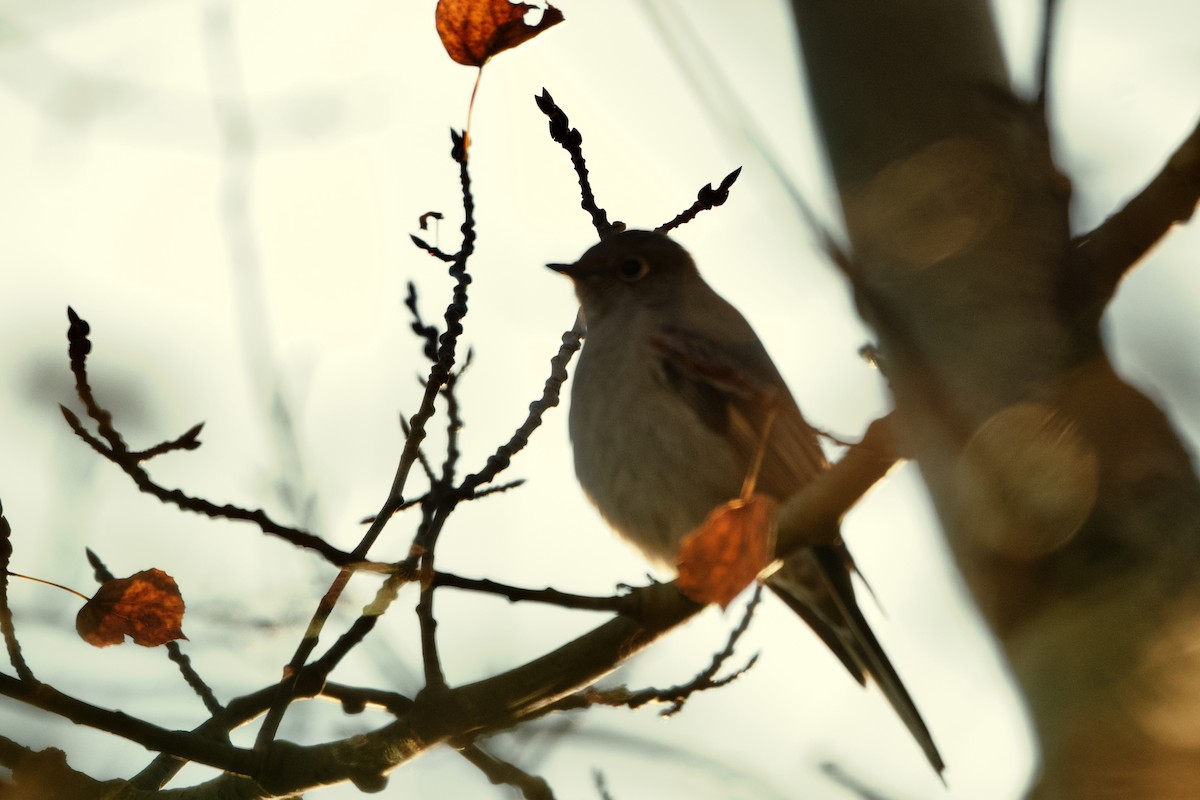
pixel 736 390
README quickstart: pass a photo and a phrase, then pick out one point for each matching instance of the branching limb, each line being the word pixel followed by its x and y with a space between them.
pixel 130 462
pixel 439 373
pixel 1102 257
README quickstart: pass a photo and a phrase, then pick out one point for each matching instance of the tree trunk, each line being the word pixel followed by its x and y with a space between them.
pixel 1067 498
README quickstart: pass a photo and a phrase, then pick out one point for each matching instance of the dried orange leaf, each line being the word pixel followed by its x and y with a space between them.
pixel 473 31
pixel 146 606
pixel 728 550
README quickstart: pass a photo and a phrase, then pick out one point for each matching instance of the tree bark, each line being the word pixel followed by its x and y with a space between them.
pixel 1068 500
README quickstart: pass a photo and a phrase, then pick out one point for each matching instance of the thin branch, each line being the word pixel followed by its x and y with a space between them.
pixel 551 390
pixel 572 141
pixel 502 773
pixel 1101 258
pixel 518 594
pixel 187 441
pixel 707 198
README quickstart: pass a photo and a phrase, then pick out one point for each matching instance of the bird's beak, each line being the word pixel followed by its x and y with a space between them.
pixel 570 270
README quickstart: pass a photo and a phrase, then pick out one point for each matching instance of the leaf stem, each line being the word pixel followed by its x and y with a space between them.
pixel 12 574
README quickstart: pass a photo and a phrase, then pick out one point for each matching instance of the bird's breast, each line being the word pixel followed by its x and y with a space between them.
pixel 652 467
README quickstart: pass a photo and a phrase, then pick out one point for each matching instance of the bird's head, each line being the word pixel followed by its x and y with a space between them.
pixel 629 271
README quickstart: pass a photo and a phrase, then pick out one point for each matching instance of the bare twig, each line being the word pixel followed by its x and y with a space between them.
pixel 518 594
pixel 707 198
pixel 500 460
pixel 572 141
pixel 187 441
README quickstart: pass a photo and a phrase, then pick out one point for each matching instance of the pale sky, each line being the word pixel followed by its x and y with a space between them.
pixel 116 201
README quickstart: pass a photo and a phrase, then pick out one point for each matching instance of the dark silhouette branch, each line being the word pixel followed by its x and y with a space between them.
pixel 706 199
pixel 551 390
pixel 572 141
pixel 516 593
pixel 130 462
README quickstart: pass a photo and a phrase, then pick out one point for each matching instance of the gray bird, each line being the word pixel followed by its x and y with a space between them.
pixel 669 403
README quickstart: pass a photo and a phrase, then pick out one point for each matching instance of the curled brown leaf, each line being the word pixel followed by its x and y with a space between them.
pixel 146 606
pixel 473 31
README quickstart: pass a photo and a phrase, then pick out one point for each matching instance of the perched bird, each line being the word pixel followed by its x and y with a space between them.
pixel 669 404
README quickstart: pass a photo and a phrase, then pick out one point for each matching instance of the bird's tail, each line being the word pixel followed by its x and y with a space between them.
pixel 816 585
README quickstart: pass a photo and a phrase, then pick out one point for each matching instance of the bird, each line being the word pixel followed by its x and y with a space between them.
pixel 674 397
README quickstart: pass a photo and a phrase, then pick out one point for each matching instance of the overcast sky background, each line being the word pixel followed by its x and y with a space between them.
pixel 225 191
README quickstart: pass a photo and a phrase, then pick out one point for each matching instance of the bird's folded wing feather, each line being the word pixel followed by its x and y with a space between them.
pixel 736 390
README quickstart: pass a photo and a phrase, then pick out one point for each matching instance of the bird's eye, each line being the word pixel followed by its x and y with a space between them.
pixel 633 269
